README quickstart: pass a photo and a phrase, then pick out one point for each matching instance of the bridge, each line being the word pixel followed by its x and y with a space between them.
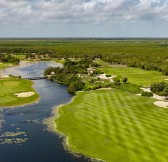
pixel 35 78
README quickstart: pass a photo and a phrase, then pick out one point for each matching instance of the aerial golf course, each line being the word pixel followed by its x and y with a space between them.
pixel 113 123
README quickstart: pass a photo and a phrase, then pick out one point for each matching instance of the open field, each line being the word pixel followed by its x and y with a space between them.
pixel 8 89
pixel 114 125
pixel 135 75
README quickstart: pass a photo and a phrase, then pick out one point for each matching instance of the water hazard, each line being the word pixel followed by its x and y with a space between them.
pixel 23 136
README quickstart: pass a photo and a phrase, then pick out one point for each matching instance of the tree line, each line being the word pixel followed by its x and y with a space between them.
pixel 9 58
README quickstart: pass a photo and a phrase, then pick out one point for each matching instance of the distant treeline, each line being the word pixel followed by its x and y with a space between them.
pixel 155 63
pixel 26 51
pixel 147 55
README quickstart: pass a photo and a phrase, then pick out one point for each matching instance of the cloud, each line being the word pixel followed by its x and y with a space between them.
pixel 83 11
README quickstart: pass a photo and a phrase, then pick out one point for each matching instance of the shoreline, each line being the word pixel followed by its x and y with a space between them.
pixel 22 105
pixel 52 127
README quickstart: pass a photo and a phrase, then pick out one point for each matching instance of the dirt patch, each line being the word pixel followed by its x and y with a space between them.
pixel 24 94
pixel 161 104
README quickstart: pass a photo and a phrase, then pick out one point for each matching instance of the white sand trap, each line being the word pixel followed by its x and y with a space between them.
pixel 24 94
pixel 146 89
pixel 161 104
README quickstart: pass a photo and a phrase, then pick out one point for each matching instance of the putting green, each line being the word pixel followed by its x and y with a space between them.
pixel 8 88
pixel 135 75
pixel 115 125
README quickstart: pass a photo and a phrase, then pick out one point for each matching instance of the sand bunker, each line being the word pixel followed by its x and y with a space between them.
pixel 24 94
pixel 103 76
pixel 161 104
pixel 146 89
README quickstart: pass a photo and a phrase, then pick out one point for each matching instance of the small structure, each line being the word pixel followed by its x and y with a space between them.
pixel 91 70
pixel 52 73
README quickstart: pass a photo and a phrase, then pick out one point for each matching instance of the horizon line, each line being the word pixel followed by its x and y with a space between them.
pixel 112 38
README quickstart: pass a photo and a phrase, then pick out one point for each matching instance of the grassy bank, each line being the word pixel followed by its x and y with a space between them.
pixel 4 65
pixel 114 125
pixel 8 87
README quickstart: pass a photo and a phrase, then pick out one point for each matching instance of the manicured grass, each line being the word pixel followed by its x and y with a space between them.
pixel 61 61
pixel 8 87
pixel 4 65
pixel 20 56
pixel 117 126
pixel 135 75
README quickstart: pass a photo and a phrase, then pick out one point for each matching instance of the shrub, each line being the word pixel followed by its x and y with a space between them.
pixel 125 79
pixel 108 75
pixel 147 94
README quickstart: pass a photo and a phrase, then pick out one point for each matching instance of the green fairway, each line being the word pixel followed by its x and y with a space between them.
pixel 135 75
pixel 115 126
pixel 8 87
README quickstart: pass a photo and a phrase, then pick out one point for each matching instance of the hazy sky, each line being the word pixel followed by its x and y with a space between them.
pixel 83 18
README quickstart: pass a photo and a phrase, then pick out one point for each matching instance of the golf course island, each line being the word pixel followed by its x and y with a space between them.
pixel 16 92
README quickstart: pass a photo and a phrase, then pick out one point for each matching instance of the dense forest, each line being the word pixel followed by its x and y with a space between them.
pixel 144 54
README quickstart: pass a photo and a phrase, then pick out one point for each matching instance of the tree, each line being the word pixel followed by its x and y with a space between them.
pixel 75 86
pixel 125 79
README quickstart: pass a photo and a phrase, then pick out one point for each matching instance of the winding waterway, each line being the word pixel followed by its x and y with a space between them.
pixel 23 136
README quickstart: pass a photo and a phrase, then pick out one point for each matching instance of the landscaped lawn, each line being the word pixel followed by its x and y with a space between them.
pixel 135 75
pixel 115 125
pixel 8 87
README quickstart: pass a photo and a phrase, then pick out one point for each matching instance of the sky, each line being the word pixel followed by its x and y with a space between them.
pixel 83 18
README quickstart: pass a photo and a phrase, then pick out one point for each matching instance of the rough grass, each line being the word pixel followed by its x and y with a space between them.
pixel 117 126
pixel 135 75
pixel 8 87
